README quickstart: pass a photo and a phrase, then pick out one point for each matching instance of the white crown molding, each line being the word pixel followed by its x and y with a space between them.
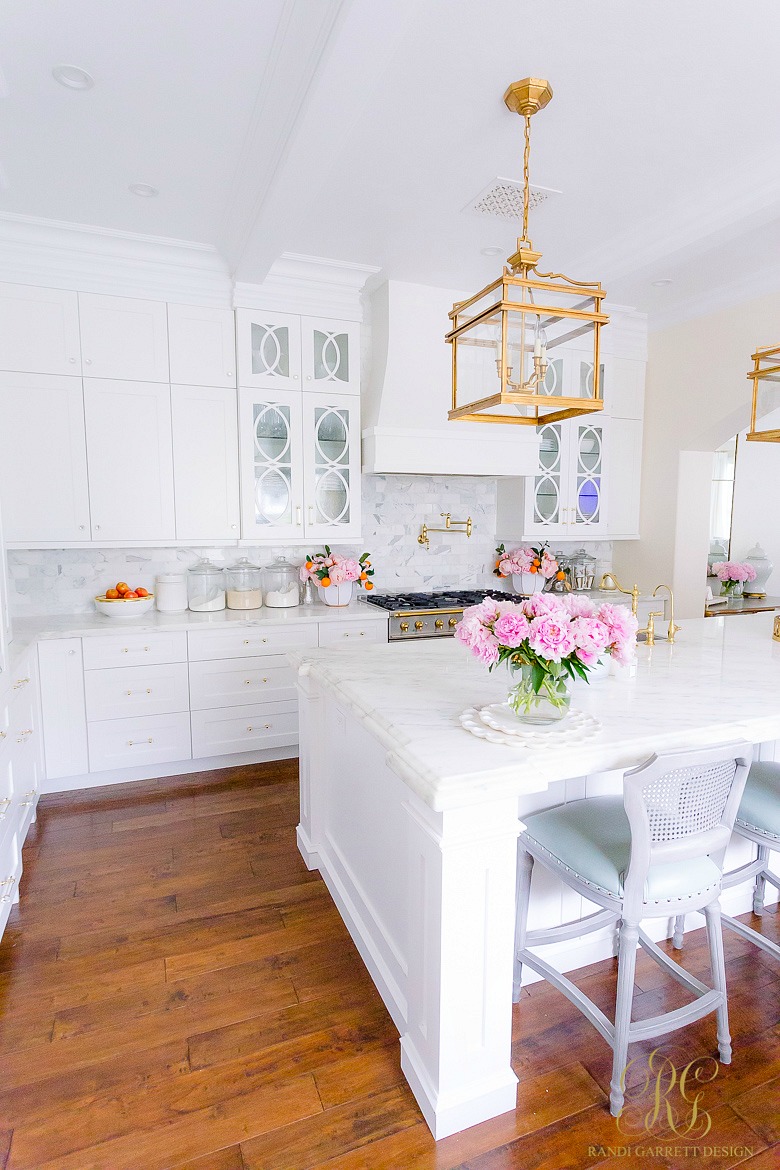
pixel 57 254
pixel 626 334
pixel 309 285
pixel 723 296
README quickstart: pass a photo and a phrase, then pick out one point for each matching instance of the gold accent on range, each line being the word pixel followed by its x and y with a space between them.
pixel 450 525
pixel 766 398
pixel 517 331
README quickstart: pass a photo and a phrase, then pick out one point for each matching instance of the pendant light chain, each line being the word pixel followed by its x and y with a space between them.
pixel 526 179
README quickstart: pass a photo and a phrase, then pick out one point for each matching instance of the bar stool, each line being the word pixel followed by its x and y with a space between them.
pixel 655 852
pixel 758 819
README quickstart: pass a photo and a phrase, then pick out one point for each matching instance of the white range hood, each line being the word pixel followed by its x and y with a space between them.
pixel 408 393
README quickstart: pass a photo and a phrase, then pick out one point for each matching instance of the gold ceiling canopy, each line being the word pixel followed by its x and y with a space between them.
pixel 525 349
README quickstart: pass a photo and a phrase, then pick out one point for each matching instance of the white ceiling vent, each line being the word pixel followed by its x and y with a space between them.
pixel 503 199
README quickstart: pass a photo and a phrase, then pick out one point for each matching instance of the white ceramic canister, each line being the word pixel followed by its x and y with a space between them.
pixel 170 593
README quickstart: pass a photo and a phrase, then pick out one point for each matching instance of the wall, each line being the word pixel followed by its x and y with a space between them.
pixel 394 507
pixel 697 397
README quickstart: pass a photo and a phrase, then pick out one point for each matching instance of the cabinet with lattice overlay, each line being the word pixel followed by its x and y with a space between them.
pixel 281 351
pixel 300 465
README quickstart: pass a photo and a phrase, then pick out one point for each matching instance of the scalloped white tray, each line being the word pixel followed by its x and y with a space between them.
pixel 486 723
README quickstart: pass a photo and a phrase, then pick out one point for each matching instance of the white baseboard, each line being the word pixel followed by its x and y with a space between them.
pixel 159 771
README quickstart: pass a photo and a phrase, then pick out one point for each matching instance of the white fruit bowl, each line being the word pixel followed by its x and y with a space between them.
pixel 119 608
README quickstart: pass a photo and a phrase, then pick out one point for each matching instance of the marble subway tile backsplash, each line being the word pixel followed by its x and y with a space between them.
pixel 43 581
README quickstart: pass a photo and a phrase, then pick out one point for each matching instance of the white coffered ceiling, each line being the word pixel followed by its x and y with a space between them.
pixel 359 130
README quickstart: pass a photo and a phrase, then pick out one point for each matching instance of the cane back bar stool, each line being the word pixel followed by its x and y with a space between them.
pixel 653 853
pixel 758 819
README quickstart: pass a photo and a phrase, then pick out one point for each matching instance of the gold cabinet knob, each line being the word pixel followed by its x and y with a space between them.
pixel 404 627
pixel 453 623
pixel 418 625
pixel 439 624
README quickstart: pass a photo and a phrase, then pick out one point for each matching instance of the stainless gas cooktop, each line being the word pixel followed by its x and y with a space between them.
pixel 427 615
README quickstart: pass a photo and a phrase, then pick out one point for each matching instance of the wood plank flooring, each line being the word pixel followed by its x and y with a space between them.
pixel 177 992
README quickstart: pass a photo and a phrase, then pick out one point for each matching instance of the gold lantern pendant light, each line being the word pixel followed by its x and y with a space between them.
pixel 526 348
pixel 765 376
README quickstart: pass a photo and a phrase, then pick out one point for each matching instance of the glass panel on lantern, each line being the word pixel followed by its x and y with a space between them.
pixel 478 356
pixel 768 401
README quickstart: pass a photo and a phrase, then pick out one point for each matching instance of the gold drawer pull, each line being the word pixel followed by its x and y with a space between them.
pixel 20 682
pixel 246 641
pixel 265 639
pixel 31 798
pixel 265 680
pixel 2 735
pixel 250 728
pixel 267 726
pixel 135 742
pixel 247 682
pixel 5 803
pixel 21 737
pixel 125 650
pixel 7 882
pixel 148 691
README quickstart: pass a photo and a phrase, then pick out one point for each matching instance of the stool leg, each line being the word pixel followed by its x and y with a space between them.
pixel 760 886
pixel 525 865
pixel 679 931
pixel 718 965
pixel 629 936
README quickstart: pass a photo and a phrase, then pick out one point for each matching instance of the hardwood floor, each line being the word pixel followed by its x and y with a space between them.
pixel 177 992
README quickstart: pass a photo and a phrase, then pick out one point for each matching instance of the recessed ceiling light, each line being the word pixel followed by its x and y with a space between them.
pixel 663 282
pixel 72 77
pixel 145 190
pixel 494 251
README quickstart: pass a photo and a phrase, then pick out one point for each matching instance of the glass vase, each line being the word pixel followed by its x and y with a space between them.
pixel 550 705
pixel 731 588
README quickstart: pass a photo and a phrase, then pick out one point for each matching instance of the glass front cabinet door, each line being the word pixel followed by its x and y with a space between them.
pixel 269 349
pixel 330 355
pixel 271 465
pixel 566 496
pixel 331 441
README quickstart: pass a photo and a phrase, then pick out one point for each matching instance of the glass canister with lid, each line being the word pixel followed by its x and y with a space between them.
pixel 281 584
pixel 583 569
pixel 244 585
pixel 206 587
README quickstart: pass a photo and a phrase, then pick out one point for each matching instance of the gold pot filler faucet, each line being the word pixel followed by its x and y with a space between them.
pixel 649 629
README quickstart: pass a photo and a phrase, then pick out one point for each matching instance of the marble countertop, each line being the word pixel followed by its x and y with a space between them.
pixel 29 630
pixel 720 681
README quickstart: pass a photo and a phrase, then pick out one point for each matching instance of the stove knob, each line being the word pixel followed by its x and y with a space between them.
pixel 404 627
pixel 419 625
pixel 453 623
pixel 439 624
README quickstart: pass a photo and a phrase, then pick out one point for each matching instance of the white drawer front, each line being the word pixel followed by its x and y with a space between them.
pixel 128 691
pixel 235 682
pixel 352 633
pixel 10 875
pixel 150 739
pixel 249 641
pixel 133 649
pixel 223 732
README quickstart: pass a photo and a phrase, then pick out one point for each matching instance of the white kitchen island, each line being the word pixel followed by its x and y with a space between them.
pixel 413 823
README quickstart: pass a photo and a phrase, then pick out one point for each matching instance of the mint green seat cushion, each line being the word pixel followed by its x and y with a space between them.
pixel 592 838
pixel 760 805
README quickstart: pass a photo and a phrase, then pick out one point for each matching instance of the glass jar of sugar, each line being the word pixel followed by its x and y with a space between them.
pixel 281 584
pixel 244 585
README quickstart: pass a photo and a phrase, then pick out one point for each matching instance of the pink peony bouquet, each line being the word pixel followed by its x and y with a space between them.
pixel 551 638
pixel 329 568
pixel 525 560
pixel 735 571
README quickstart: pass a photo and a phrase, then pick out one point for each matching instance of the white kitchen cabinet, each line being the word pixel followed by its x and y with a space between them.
pixel 43 459
pixel 39 330
pixel 271 451
pixel 145 739
pixel 300 465
pixel 129 459
pixel 202 345
pixel 123 338
pixel 280 351
pixel 205 462
pixel 134 649
pixel 624 475
pixel 226 732
pixel 236 682
pixel 269 349
pixel 567 498
pixel 248 641
pixel 331 461
pixel 5 617
pixel 64 714
pixel 128 691
pixel 330 355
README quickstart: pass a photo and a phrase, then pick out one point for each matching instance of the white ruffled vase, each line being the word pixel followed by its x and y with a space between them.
pixel 339 595
pixel 528 583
